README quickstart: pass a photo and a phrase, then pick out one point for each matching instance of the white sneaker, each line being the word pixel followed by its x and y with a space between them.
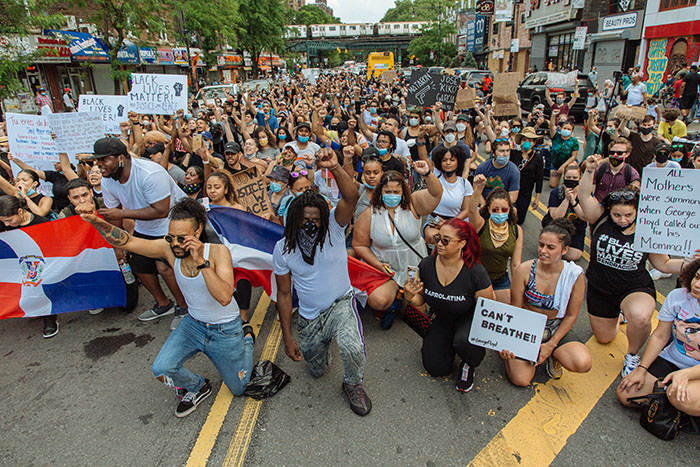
pixel 96 311
pixel 631 362
pixel 553 367
pixel 656 274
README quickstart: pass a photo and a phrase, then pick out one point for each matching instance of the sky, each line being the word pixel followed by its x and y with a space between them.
pixel 359 11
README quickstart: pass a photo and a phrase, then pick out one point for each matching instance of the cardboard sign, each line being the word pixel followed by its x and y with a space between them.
pixel 505 94
pixel 630 112
pixel 30 140
pixel 113 109
pixel 388 76
pixel 252 192
pixel 427 88
pixel 465 98
pixel 668 217
pixel 562 80
pixel 498 326
pixel 157 94
pixel 76 132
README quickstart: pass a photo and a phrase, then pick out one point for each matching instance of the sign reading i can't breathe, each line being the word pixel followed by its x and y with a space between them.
pixel 668 217
pixel 157 94
pixel 427 88
pixel 498 326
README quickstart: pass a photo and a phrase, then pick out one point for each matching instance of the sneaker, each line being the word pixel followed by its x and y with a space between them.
pixel 180 313
pixel 465 383
pixel 157 311
pixel 656 274
pixel 359 402
pixel 387 320
pixel 248 330
pixel 191 400
pixel 96 311
pixel 180 392
pixel 631 362
pixel 553 367
pixel 50 326
pixel 623 320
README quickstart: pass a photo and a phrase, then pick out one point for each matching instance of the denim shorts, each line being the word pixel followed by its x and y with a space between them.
pixel 501 284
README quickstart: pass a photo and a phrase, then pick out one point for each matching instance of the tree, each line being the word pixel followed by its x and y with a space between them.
pixel 469 60
pixel 311 14
pixel 429 40
pixel 261 27
pixel 417 10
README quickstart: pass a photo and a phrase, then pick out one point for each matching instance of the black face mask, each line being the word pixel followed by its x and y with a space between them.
pixel 615 161
pixel 646 131
pixel 308 238
pixel 661 157
pixel 570 183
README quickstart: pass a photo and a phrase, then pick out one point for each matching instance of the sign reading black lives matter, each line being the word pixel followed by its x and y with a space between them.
pixel 498 326
pixel 112 108
pixel 157 94
pixel 668 217
pixel 427 88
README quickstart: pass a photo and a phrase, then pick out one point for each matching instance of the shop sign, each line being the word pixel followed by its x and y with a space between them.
pixel 148 55
pixel 180 56
pixel 614 23
pixel 128 54
pixel 83 47
pixel 165 56
pixel 475 34
pixel 226 61
pixel 580 38
pixel 461 45
pixel 48 49
pixel 544 12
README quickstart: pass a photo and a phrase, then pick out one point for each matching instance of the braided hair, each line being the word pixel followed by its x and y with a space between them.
pixel 295 218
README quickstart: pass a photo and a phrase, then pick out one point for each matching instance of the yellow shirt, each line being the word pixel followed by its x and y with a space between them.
pixel 669 131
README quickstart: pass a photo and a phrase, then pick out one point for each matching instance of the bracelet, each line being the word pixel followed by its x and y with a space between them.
pixel 205 162
pixel 420 144
pixel 645 368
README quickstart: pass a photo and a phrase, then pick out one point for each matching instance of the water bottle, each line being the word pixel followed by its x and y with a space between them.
pixel 126 272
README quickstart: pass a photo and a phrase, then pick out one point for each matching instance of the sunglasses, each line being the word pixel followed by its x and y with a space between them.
pixel 627 195
pixel 676 146
pixel 169 238
pixel 297 174
pixel 501 139
pixel 617 153
pixel 516 126
pixel 439 239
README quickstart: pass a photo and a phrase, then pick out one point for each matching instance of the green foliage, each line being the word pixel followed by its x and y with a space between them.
pixel 469 60
pixel 428 40
pixel 417 10
pixel 261 27
pixel 211 21
pixel 311 14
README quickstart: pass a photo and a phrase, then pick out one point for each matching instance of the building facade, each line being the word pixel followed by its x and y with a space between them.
pixel 501 44
pixel 552 25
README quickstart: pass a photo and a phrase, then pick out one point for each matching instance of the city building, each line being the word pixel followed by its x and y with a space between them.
pixel 502 40
pixel 323 4
pixel 552 25
pixel 296 4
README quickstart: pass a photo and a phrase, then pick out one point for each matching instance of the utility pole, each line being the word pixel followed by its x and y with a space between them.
pixel 512 36
pixel 439 34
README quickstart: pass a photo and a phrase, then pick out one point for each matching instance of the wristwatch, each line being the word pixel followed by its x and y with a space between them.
pixel 204 265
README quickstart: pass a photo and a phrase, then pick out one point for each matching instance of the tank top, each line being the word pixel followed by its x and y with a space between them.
pixel 362 202
pixel 495 260
pixel 533 296
pixel 200 303
pixel 389 248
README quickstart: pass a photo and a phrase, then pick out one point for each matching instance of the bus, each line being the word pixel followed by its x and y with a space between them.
pixel 379 62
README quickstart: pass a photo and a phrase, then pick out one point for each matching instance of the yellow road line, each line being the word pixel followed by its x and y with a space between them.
pixel 235 456
pixel 210 430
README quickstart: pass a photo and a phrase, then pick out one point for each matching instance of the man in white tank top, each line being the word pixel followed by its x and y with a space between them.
pixel 204 273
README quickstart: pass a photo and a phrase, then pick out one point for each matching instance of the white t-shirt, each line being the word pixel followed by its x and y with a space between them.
pixel 453 195
pixel 67 100
pixel 370 120
pixel 148 183
pixel 320 284
pixel 681 308
pixel 669 165
pixel 401 146
pixel 327 187
pixel 635 93
pixel 311 148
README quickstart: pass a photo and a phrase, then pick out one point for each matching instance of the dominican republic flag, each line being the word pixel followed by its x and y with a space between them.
pixel 252 240
pixel 57 267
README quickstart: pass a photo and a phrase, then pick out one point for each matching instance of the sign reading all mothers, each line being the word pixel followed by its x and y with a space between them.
pixel 157 94
pixel 668 217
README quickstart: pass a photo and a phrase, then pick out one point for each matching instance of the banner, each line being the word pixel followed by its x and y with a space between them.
pixel 505 94
pixel 157 94
pixel 515 45
pixel 668 216
pixel 427 88
pixel 112 108
pixel 503 11
pixel 252 192
pixel 498 326
pixel 76 132
pixel 30 140
pixel 562 80
pixel 580 38
pixel 180 56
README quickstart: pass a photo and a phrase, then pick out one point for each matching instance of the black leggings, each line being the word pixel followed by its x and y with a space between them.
pixel 445 338
pixel 522 204
pixel 244 290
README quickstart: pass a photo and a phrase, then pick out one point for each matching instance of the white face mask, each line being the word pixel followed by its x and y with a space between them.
pixel 413 121
pixel 461 126
pixel 505 132
pixel 450 137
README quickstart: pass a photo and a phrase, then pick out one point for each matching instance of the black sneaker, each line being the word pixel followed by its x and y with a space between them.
pixel 359 402
pixel 190 401
pixel 180 393
pixel 50 326
pixel 157 311
pixel 465 383
pixel 248 330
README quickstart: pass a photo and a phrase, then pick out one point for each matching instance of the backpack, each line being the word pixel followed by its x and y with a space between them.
pixel 604 166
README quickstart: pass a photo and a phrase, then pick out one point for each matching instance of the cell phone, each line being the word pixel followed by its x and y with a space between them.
pixel 412 273
pixel 196 142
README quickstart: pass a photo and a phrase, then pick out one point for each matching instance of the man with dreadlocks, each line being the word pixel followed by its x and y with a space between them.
pixel 204 273
pixel 312 254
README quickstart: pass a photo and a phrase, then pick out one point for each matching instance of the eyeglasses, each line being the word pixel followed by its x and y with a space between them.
pixel 169 238
pixel 297 174
pixel 617 153
pixel 627 195
pixel 439 239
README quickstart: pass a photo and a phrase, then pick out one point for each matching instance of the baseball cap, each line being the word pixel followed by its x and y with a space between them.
pixel 370 151
pixel 662 147
pixel 449 126
pixel 107 147
pixel 463 117
pixel 279 173
pixel 232 147
pixel 539 107
pixel 156 148
pixel 291 146
pixel 303 125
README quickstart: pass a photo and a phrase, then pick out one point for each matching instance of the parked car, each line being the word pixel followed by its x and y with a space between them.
pixel 472 76
pixel 532 93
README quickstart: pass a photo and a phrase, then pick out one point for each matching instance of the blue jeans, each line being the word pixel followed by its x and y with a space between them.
pixel 342 322
pixel 224 344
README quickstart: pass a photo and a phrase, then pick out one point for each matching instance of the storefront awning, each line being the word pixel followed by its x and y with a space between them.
pixel 148 55
pixel 610 36
pixel 128 54
pixel 83 47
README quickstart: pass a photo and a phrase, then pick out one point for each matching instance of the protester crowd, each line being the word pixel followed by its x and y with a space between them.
pixel 352 170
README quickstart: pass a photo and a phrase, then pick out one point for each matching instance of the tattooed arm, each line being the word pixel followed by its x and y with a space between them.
pixel 120 238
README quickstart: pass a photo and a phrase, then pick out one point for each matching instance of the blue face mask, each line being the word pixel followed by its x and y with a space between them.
pixel 674 159
pixel 275 187
pixel 371 187
pixel 373 110
pixel 501 160
pixel 499 217
pixel 391 200
pixel 515 129
pixel 303 139
pixel 249 156
pixel 526 145
pixel 565 133
pixel 31 192
pixel 282 136
pixel 382 151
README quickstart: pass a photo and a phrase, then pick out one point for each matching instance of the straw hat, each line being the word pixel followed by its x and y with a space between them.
pixel 528 132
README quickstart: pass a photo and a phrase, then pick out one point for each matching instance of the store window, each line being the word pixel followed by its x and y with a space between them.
pixel 560 53
pixel 675 4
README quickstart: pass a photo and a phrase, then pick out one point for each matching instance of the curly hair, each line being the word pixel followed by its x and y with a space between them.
pixel 295 219
pixel 188 208
pixel 499 193
pixel 391 176
pixel 456 152
pixel 688 273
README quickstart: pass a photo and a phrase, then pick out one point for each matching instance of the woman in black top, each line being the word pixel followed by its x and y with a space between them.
pixel 14 215
pixel 617 277
pixel 531 167
pixel 564 203
pixel 449 282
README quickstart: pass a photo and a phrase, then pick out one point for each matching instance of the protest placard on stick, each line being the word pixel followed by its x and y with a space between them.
pixel 630 112
pixel 562 80
pixel 76 132
pixel 505 97
pixel 157 94
pixel 426 88
pixel 668 216
pixel 252 192
pixel 112 108
pixel 388 76
pixel 498 326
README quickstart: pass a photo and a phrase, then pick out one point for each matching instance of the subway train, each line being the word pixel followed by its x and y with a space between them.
pixel 317 31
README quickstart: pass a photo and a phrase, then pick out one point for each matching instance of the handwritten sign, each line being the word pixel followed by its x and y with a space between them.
pixel 656 65
pixel 498 326
pixel 113 109
pixel 388 76
pixel 30 140
pixel 562 80
pixel 76 131
pixel 427 88
pixel 465 98
pixel 157 94
pixel 505 97
pixel 252 192
pixel 668 217
pixel 630 112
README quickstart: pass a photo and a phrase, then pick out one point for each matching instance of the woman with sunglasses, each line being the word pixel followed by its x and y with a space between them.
pixel 564 148
pixel 449 282
pixel 388 235
pixel 618 280
pixel 298 183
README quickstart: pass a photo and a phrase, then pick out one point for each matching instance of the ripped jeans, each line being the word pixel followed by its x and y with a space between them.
pixel 224 344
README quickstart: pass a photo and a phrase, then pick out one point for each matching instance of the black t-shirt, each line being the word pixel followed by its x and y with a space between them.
pixel 457 299
pixel 556 197
pixel 36 220
pixel 531 171
pixel 616 267
pixel 393 164
pixel 642 151
pixel 691 80
pixel 60 196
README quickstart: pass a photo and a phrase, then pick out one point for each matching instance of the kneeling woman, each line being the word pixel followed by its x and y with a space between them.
pixel 673 351
pixel 555 288
pixel 450 281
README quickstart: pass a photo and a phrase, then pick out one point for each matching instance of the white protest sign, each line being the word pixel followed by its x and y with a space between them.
pixel 30 140
pixel 561 80
pixel 309 75
pixel 668 217
pixel 157 94
pixel 498 326
pixel 76 132
pixel 113 109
